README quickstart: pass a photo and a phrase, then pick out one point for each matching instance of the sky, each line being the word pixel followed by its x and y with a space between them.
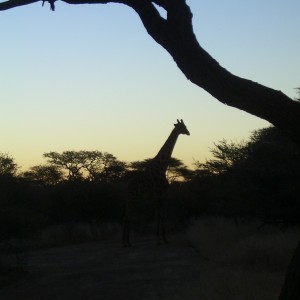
pixel 89 77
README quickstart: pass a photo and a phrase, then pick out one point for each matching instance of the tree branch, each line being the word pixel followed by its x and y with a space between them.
pixel 177 37
pixel 15 3
pixel 94 1
pixel 175 34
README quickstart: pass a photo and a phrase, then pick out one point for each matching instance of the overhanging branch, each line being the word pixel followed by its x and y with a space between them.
pixel 176 35
pixel 15 3
pixel 94 1
pixel 178 38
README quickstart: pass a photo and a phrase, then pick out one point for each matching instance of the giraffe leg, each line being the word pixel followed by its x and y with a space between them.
pixel 163 232
pixel 160 230
pixel 158 224
pixel 126 227
pixel 126 235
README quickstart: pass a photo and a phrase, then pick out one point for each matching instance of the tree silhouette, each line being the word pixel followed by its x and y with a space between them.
pixel 258 178
pixel 71 161
pixel 175 34
pixel 102 166
pixel 225 155
pixel 44 174
pixel 8 167
pixel 91 165
pixel 177 170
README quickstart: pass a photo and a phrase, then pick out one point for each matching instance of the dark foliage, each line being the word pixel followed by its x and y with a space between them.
pixel 262 182
pixel 19 214
pixel 254 179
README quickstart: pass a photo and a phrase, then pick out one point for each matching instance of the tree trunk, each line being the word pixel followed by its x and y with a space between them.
pixel 291 287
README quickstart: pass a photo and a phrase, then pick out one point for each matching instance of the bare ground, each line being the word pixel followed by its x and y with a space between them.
pixel 106 270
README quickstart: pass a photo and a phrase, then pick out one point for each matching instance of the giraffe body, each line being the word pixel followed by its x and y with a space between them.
pixel 147 187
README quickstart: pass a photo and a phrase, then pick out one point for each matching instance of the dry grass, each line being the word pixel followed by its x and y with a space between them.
pixel 226 284
pixel 243 262
pixel 244 245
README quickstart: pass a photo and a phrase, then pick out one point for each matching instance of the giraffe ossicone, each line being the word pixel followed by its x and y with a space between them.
pixel 147 187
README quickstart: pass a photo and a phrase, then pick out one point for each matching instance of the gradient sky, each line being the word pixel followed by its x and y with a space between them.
pixel 89 77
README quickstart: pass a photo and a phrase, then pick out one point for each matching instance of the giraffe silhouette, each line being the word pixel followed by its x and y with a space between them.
pixel 146 188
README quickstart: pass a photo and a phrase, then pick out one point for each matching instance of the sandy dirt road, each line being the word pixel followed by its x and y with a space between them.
pixel 106 270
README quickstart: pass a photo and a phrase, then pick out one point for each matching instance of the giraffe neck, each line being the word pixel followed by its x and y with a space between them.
pixel 162 159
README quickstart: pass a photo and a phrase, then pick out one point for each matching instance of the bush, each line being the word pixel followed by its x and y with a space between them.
pixel 244 245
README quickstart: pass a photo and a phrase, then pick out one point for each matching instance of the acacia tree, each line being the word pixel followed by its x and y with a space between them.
pixel 175 34
pixel 102 166
pixel 44 174
pixel 176 171
pixel 8 167
pixel 91 165
pixel 71 161
pixel 225 155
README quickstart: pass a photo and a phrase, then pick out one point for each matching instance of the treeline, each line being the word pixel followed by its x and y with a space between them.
pixel 71 187
pixel 94 166
pixel 258 178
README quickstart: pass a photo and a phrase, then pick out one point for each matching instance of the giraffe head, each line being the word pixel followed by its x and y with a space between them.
pixel 181 128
